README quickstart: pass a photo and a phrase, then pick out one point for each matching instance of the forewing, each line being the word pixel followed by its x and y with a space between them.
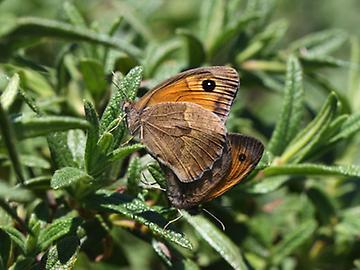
pixel 213 88
pixel 184 137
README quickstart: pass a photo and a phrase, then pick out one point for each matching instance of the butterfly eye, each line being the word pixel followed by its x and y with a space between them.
pixel 208 85
pixel 242 157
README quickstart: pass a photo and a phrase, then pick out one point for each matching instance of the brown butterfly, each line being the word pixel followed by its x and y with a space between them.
pixel 181 121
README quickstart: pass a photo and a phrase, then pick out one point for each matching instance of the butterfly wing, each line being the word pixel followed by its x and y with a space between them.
pixel 184 137
pixel 213 88
pixel 246 153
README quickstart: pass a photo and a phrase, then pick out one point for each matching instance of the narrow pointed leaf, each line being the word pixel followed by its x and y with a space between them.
pixel 313 169
pixel 32 28
pixel 289 122
pixel 125 151
pixel 40 126
pixel 8 96
pixel 217 239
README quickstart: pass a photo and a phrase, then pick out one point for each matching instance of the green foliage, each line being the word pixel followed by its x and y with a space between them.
pixel 76 194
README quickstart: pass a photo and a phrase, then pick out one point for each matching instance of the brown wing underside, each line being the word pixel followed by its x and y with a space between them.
pixel 227 172
pixel 184 137
pixel 187 87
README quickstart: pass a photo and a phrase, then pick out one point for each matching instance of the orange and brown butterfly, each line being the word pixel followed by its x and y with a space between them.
pixel 182 124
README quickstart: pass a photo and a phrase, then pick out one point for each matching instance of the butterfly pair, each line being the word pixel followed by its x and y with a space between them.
pixel 182 124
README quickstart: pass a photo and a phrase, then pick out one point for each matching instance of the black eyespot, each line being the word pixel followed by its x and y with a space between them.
pixel 242 157
pixel 208 85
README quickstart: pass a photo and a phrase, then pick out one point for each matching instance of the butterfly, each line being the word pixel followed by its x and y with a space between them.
pixel 182 124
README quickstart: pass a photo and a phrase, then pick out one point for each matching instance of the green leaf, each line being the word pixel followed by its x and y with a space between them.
pixel 74 14
pixel 34 161
pixel 172 258
pixel 348 128
pixel 157 174
pixel 137 210
pixel 266 185
pixel 60 152
pixel 63 256
pixel 16 194
pixel 92 135
pixel 105 142
pixel 292 241
pixel 23 263
pixel 8 96
pixel 127 89
pixel 323 203
pixel 232 31
pixel 68 176
pixel 353 92
pixel 291 114
pixel 28 127
pixel 94 76
pixel 27 28
pixel 310 135
pixel 8 138
pixel 15 236
pixel 194 48
pixel 159 53
pixel 56 230
pixel 76 143
pixel 123 152
pixel 133 176
pixel 320 43
pixel 212 16
pixel 264 41
pixel 313 169
pixel 216 239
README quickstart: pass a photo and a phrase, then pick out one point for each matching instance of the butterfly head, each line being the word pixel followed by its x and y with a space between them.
pixel 132 117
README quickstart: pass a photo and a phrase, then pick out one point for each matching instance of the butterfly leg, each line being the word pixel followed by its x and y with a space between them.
pixel 173 220
pixel 141 132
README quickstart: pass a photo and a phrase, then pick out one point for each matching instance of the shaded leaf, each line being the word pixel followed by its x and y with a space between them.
pixel 293 240
pixel 8 138
pixel 137 210
pixel 62 256
pixel 15 236
pixel 59 228
pixel 217 239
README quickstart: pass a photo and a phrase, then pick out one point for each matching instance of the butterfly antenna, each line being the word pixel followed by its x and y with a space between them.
pixel 214 217
pixel 173 220
pixel 127 141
